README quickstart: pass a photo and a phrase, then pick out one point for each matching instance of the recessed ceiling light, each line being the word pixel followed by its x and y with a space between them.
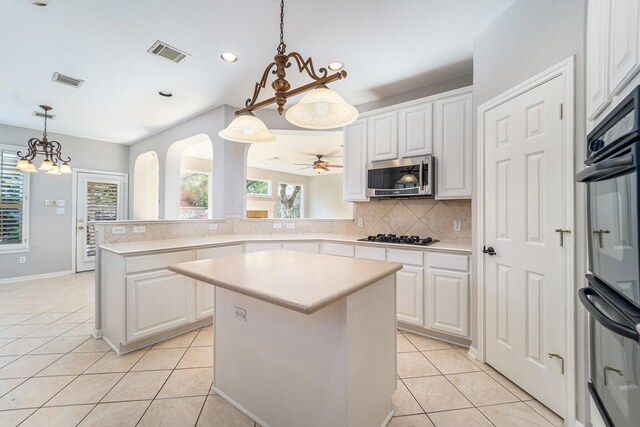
pixel 229 57
pixel 165 93
pixel 335 66
pixel 41 3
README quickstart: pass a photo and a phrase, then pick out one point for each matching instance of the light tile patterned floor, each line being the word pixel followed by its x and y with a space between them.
pixel 53 373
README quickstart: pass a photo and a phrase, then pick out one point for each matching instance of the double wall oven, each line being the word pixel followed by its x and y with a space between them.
pixel 612 296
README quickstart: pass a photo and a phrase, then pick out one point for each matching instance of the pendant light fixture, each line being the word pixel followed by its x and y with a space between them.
pixel 52 151
pixel 321 108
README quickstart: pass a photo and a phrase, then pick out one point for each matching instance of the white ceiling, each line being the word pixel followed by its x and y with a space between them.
pixel 388 47
pixel 290 148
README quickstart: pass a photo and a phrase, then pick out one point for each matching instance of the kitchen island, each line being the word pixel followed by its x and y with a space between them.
pixel 303 338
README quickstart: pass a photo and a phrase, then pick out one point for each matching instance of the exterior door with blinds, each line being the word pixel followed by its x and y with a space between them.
pixel 100 198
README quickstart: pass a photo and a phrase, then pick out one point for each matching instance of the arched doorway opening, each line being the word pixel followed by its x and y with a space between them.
pixel 145 186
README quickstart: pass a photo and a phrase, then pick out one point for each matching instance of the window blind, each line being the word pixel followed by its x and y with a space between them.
pixel 102 205
pixel 11 200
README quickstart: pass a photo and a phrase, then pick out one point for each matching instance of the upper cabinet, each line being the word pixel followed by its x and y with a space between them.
pixel 415 132
pixel 383 136
pixel 355 161
pixel 613 54
pixel 438 125
pixel 452 147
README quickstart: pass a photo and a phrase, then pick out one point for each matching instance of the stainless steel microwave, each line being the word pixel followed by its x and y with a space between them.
pixel 401 178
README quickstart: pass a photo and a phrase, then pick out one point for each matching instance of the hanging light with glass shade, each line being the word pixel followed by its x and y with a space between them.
pixel 321 108
pixel 52 151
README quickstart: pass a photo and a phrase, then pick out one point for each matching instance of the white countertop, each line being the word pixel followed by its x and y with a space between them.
pixel 299 281
pixel 133 248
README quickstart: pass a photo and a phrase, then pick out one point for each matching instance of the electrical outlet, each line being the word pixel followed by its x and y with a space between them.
pixel 60 211
pixel 277 225
pixel 360 222
pixel 457 225
pixel 240 313
pixel 23 260
pixel 213 226
pixel 291 225
pixel 118 230
pixel 139 229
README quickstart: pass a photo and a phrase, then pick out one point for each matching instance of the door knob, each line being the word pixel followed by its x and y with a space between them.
pixel 562 233
pixel 600 233
pixel 609 368
pixel 557 356
pixel 490 251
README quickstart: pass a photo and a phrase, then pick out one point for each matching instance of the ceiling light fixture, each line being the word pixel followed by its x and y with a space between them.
pixel 228 57
pixel 335 66
pixel 165 93
pixel 321 108
pixel 52 151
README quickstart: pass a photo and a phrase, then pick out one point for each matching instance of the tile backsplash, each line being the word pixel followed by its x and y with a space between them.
pixel 423 217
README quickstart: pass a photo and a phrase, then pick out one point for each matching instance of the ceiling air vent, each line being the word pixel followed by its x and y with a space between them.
pixel 41 114
pixel 164 50
pixel 66 80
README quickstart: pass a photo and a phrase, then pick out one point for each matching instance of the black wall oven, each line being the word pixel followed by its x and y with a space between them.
pixel 612 297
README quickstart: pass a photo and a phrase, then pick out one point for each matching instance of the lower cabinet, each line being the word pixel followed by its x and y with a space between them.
pixel 447 301
pixel 205 293
pixel 158 301
pixel 409 295
pixel 261 246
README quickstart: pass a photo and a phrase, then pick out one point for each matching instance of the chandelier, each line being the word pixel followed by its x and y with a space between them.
pixel 320 108
pixel 52 151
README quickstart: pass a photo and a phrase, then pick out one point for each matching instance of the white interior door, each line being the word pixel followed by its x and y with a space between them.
pixel 101 197
pixel 524 281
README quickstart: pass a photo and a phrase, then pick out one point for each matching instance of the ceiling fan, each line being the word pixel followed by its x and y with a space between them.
pixel 319 165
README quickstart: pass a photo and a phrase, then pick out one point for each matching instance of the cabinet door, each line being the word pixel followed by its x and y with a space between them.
pixel 355 161
pixel 597 49
pixel 383 136
pixel 452 147
pixel 623 44
pixel 410 295
pixel 447 301
pixel 157 302
pixel 415 132
pixel 205 293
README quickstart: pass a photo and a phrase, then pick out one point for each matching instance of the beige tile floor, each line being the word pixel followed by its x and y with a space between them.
pixel 53 373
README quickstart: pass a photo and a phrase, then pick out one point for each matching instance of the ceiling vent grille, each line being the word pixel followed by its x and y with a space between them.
pixel 66 80
pixel 41 114
pixel 168 52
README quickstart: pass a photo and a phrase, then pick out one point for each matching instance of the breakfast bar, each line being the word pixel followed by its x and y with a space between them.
pixel 303 338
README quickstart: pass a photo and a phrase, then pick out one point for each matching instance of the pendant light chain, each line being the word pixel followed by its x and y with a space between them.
pixel 282 47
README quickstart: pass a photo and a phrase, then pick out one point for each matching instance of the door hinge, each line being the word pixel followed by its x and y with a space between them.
pixel 561 111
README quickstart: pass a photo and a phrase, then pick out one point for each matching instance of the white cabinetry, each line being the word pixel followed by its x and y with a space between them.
pixel 613 54
pixel 339 249
pixel 415 130
pixel 158 301
pixel 205 293
pixel 447 294
pixel 409 294
pixel 452 147
pixel 382 136
pixel 355 159
pixel 261 246
pixel 311 247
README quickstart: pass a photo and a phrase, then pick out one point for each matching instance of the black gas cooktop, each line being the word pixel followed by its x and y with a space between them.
pixel 403 240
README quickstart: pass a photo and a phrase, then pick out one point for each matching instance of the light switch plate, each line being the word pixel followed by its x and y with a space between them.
pixel 139 229
pixel 457 225
pixel 277 225
pixel 291 225
pixel 118 230
pixel 60 202
pixel 213 226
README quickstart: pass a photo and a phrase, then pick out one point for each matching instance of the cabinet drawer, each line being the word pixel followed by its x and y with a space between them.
pixel 367 252
pixel 449 261
pixel 405 257
pixel 311 247
pixel 217 252
pixel 338 249
pixel 154 262
pixel 257 247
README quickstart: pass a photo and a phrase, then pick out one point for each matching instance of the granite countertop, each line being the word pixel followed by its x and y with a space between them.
pixel 320 280
pixel 133 248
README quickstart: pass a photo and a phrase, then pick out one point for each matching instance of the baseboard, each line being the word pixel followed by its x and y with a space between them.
pixel 35 277
pixel 239 407
pixel 473 352
pixel 578 424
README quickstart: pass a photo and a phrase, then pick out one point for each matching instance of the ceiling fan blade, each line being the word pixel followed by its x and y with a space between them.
pixel 308 167
pixel 301 164
pixel 331 165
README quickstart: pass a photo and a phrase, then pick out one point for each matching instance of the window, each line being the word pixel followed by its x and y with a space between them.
pixel 13 207
pixel 259 187
pixel 194 195
pixel 289 201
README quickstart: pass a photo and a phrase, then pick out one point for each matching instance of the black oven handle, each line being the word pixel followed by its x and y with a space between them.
pixel 603 319
pixel 606 169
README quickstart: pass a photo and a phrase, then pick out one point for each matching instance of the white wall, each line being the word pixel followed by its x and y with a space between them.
pixel 325 198
pixel 50 234
pixel 526 39
pixel 145 177
pixel 269 203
